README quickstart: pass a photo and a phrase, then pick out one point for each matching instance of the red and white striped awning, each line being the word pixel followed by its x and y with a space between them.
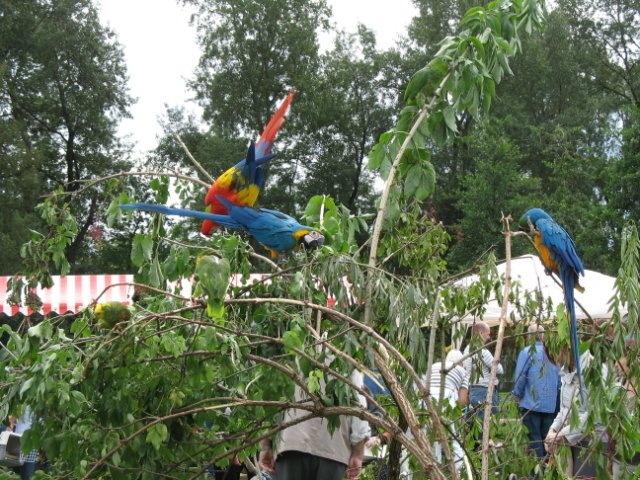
pixel 72 293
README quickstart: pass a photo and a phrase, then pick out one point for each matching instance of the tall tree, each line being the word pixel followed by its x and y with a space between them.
pixel 348 108
pixel 62 89
pixel 253 52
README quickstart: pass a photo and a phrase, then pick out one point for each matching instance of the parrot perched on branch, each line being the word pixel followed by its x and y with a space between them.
pixel 111 313
pixel 275 230
pixel 212 274
pixel 241 183
pixel 557 251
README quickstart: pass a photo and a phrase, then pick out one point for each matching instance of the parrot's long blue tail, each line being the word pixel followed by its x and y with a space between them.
pixel 181 212
pixel 568 282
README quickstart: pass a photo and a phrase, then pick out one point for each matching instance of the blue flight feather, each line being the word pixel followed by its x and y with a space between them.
pixel 181 212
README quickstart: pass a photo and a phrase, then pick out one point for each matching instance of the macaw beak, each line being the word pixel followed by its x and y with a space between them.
pixel 313 239
pixel 525 225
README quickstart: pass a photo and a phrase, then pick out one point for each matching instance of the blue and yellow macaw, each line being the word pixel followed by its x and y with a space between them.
pixel 275 230
pixel 241 183
pixel 557 251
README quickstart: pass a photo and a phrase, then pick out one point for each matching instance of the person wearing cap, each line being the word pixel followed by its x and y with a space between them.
pixel 535 389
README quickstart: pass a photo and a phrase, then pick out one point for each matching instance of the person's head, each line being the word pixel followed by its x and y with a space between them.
pixel 453 358
pixel 481 330
pixel 563 357
pixel 537 331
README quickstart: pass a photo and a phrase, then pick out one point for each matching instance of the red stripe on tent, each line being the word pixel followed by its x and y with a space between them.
pixel 3 292
pixel 46 296
pixel 32 291
pixel 63 295
pixel 93 287
pixel 77 285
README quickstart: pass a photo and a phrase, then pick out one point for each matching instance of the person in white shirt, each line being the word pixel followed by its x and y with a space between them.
pixel 455 391
pixel 478 367
pixel 575 433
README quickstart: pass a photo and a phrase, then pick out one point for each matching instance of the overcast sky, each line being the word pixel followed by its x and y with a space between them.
pixel 161 50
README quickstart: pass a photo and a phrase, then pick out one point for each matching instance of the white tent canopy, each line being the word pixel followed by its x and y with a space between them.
pixel 530 276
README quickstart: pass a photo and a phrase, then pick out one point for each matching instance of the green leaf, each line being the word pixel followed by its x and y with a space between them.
pixel 26 385
pixel 141 249
pixel 563 324
pixel 413 179
pixel 157 434
pixel 450 119
pixel 427 182
pixel 156 278
pixel 477 44
pixel 291 340
pixel 314 205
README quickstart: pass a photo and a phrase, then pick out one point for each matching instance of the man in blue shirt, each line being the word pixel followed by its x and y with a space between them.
pixel 536 390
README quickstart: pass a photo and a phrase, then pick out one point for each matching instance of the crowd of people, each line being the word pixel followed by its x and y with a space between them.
pixel 553 406
pixel 545 388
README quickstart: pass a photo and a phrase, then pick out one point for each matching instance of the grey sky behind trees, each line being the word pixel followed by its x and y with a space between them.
pixel 161 51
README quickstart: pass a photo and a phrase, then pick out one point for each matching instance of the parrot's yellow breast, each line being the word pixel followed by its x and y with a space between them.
pixel 545 253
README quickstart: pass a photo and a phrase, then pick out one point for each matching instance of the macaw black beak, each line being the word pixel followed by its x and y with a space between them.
pixel 525 224
pixel 313 239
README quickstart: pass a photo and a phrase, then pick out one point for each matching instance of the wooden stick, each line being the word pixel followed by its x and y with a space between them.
pixel 496 356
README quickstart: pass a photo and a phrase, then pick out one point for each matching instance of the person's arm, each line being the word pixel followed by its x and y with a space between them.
pixel 354 467
pixel 487 359
pixel 554 436
pixel 267 459
pixel 463 396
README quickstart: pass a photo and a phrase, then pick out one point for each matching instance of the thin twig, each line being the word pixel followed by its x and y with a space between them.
pixel 193 160
pixel 92 182
pixel 496 356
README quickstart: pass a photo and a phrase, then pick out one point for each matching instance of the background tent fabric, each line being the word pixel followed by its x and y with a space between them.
pixel 530 276
pixel 72 293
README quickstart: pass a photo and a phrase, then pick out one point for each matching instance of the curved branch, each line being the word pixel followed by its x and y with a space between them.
pixel 95 181
pixel 377 227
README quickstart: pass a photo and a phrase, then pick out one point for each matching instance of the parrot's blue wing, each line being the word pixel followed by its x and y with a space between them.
pixel 243 215
pixel 561 245
pixel 563 252
pixel 181 212
pixel 272 228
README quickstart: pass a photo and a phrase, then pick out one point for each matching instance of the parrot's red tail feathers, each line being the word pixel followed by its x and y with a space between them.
pixel 271 129
pixel 208 226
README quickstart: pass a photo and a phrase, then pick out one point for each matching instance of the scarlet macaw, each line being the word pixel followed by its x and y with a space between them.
pixel 557 251
pixel 275 230
pixel 241 183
